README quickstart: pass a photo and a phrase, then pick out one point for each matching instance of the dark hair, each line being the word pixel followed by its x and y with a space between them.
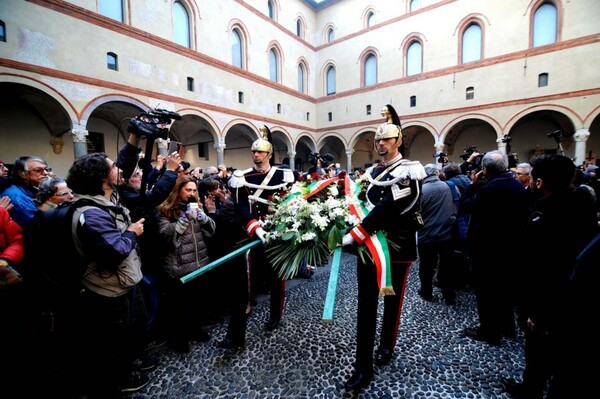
pixel 88 173
pixel 47 189
pixel 555 170
pixel 185 165
pixel 451 170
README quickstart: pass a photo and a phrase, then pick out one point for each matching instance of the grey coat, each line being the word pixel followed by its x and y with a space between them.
pixel 438 211
pixel 185 252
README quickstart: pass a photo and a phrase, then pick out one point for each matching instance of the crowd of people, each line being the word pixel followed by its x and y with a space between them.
pixel 524 239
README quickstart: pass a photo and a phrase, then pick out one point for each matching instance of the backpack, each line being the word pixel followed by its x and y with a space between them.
pixel 52 259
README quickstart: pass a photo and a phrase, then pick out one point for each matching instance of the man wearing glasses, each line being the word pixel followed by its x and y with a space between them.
pixel 27 174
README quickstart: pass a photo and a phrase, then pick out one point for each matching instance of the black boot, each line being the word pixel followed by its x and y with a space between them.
pixel 358 380
pixel 383 356
pixel 272 324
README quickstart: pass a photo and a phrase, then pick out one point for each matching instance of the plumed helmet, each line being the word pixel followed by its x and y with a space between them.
pixel 264 143
pixel 391 128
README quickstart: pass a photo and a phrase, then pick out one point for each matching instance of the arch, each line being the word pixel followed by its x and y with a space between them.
pixel 414 58
pixel 306 75
pixel 69 108
pixel 463 26
pixel 275 54
pixel 533 7
pixel 575 119
pixel 325 136
pixel 329 78
pixel 368 17
pixel 91 105
pixel 301 26
pixel 591 116
pixel 369 66
pixel 329 33
pixel 237 27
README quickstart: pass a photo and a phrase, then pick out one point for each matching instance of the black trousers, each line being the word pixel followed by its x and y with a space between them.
pixel 368 298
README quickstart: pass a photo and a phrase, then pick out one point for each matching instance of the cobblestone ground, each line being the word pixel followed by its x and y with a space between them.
pixel 307 358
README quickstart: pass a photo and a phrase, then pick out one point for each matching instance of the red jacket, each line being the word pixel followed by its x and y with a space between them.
pixel 11 239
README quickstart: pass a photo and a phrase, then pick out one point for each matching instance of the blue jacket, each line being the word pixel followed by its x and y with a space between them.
pixel 23 206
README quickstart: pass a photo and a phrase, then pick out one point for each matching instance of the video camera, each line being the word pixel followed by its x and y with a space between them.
pixel 148 123
pixel 442 157
pixel 476 164
pixel 325 158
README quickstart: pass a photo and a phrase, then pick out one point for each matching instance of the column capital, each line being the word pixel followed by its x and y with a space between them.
pixel 162 143
pixel 349 151
pixel 582 134
pixel 220 144
pixel 79 135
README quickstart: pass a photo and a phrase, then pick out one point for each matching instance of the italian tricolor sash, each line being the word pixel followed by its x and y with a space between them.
pixel 376 243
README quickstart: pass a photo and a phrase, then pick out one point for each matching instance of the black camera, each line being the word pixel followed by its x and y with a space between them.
pixel 442 157
pixel 316 157
pixel 468 151
pixel 149 123
pixel 556 135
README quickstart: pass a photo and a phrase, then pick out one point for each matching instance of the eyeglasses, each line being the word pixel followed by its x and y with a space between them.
pixel 40 170
pixel 522 174
pixel 63 194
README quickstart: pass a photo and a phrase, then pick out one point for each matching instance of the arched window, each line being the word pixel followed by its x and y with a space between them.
pixel 370 70
pixel 414 59
pixel 299 31
pixel 470 93
pixel 181 25
pixel 545 25
pixel 471 44
pixel 301 78
pixel 273 65
pixel 330 35
pixel 330 80
pixel 111 9
pixel 414 5
pixel 370 19
pixel 237 49
pixel 112 61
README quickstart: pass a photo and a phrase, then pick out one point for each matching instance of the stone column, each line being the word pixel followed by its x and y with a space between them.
pixel 501 146
pixel 220 147
pixel 79 134
pixel 349 153
pixel 581 136
pixel 292 157
pixel 162 145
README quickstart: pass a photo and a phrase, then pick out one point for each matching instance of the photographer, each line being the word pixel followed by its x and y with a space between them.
pixel 472 161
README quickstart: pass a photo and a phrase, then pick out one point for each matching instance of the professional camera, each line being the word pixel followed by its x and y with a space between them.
pixel 442 157
pixel 556 135
pixel 150 124
pixel 316 157
pixel 476 163
pixel 468 151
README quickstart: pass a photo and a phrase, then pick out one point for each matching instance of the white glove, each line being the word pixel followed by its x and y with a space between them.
pixel 182 224
pixel 260 233
pixel 347 240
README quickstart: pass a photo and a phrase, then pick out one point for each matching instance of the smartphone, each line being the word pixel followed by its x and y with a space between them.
pixel 175 146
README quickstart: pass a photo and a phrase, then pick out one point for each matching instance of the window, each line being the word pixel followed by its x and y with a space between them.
pixel 330 116
pixel 112 61
pixel 330 35
pixel 301 78
pixel 414 5
pixel 190 83
pixel 278 108
pixel 369 109
pixel 414 59
pixel 271 9
pixel 370 70
pixel 370 19
pixel 2 32
pixel 470 93
pixel 181 25
pixel 308 116
pixel 236 49
pixel 471 44
pixel 330 80
pixel 299 30
pixel 240 97
pixel 273 65
pixel 111 9
pixel 544 25
pixel 413 101
pixel 542 79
